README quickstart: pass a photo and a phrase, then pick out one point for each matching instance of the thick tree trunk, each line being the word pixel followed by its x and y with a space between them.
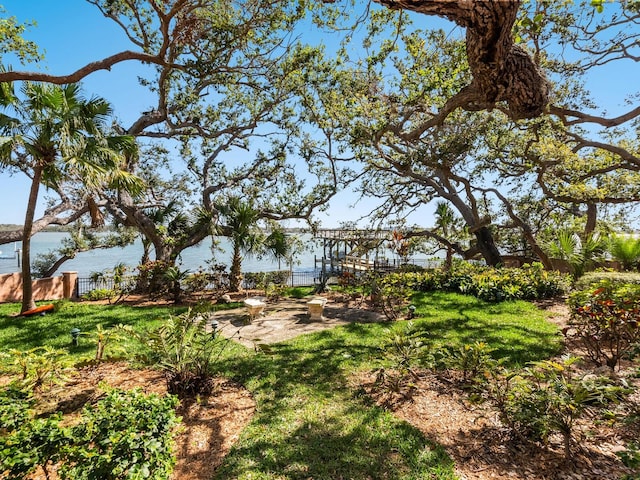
pixel 487 247
pixel 592 218
pixel 448 259
pixel 502 71
pixel 28 302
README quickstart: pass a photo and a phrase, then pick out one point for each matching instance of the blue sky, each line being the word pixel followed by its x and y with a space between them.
pixel 73 33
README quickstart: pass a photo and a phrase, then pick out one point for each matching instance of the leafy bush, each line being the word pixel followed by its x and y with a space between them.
pixel 275 291
pixel 185 351
pixel 126 435
pixel 196 282
pixel 606 321
pixel 392 298
pixel 108 336
pixel 590 280
pixel 37 442
pixel 404 350
pixel 39 367
pixel 151 278
pixel 174 278
pixel 546 397
pixel 529 282
pixel 472 361
pixel 99 294
pixel 261 280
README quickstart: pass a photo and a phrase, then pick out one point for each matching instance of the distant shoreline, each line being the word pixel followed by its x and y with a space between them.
pixel 11 227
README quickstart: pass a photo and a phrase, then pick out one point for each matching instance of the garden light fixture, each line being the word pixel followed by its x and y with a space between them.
pixel 75 334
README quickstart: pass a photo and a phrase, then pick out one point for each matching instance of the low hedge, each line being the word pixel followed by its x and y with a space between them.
pixel 529 282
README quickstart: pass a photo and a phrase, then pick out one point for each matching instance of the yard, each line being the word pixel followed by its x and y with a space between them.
pixel 309 407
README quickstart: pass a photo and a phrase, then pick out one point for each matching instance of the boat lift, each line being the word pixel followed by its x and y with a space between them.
pixel 16 254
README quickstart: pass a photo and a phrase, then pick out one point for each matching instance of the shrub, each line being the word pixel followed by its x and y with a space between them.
pixel 108 336
pixel 393 299
pixel 529 282
pixel 261 280
pixel 39 367
pixel 590 280
pixel 472 361
pixel 99 294
pixel 606 321
pixel 126 435
pixel 151 278
pixel 185 351
pixel 37 442
pixel 404 350
pixel 275 291
pixel 196 282
pixel 546 397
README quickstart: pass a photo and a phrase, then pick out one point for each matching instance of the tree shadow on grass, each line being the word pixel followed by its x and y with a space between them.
pixel 516 331
pixel 311 424
pixel 343 439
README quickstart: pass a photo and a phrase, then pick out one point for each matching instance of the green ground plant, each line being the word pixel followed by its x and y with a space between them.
pixel 37 368
pixel 473 362
pixel 606 321
pixel 631 457
pixel 100 294
pixel 299 292
pixel 548 397
pixel 185 351
pixel 125 435
pixel 404 351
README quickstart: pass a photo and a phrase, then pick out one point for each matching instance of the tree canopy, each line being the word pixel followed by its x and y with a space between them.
pixel 497 120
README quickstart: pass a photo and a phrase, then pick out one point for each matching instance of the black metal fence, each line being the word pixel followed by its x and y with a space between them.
pixel 87 285
pixel 295 279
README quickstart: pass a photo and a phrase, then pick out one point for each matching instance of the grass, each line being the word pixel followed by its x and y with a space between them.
pixel 54 330
pixel 311 422
pixel 299 292
pixel 516 330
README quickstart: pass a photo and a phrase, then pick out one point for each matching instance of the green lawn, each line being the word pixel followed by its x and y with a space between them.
pixel 310 423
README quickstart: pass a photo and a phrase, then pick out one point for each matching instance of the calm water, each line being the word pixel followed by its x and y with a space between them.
pixel 192 259
pixel 101 260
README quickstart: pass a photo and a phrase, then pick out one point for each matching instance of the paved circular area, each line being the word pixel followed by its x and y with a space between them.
pixel 286 319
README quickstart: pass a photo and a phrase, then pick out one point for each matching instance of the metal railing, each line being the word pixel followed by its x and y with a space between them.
pixel 87 285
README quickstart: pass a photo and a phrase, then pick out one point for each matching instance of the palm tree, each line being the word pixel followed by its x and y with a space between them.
pixel 626 250
pixel 57 135
pixel 580 253
pixel 240 225
pixel 278 245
